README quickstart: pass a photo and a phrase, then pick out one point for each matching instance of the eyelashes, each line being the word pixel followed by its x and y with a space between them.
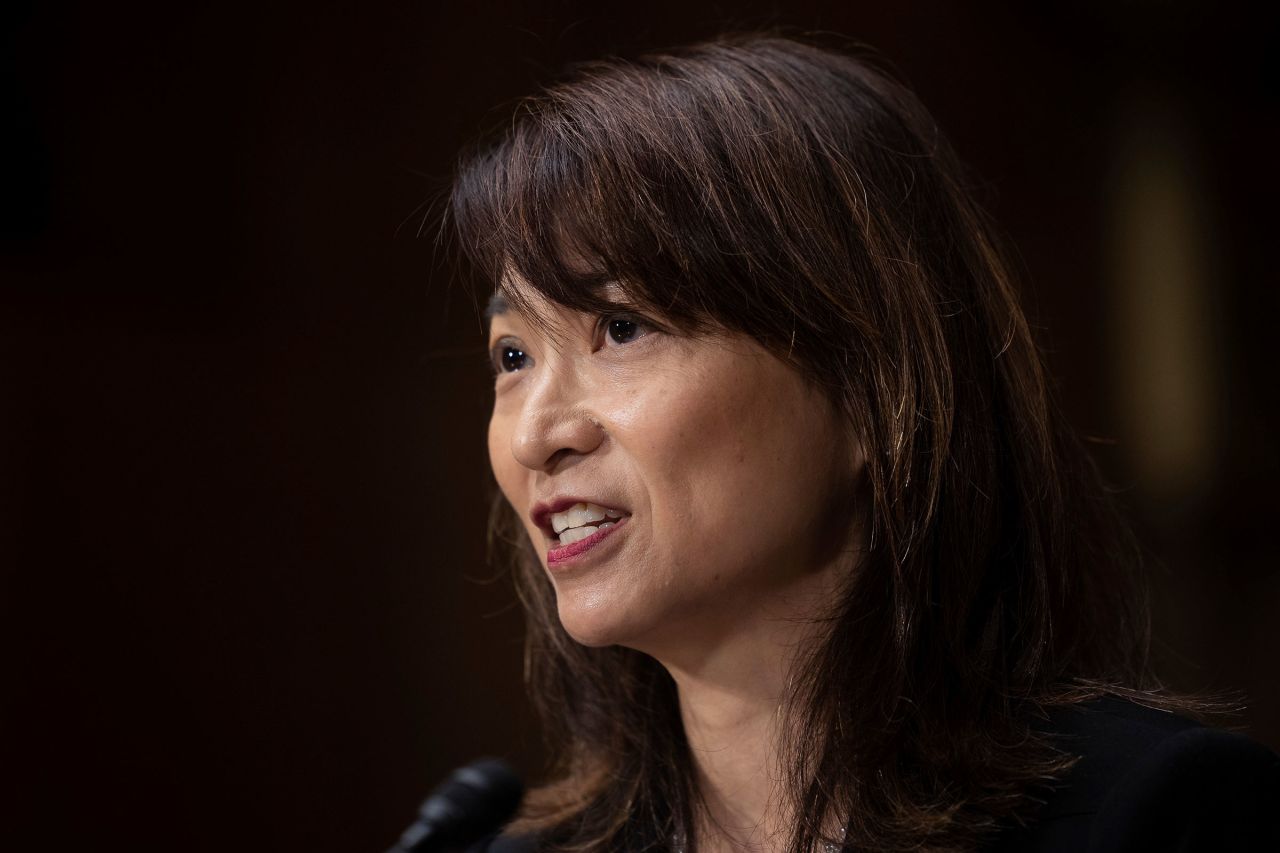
pixel 622 329
pixel 507 355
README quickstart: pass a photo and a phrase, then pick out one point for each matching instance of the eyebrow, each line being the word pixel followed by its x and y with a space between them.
pixel 497 305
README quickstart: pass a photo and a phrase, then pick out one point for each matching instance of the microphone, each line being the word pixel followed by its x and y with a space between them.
pixel 474 801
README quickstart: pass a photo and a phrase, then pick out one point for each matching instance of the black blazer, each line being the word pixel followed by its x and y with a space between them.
pixel 1147 780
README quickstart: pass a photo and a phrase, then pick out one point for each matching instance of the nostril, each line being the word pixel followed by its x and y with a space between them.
pixel 551 432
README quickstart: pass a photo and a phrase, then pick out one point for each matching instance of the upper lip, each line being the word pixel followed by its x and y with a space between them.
pixel 542 510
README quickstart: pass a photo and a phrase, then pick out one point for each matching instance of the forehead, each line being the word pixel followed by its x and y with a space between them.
pixel 516 299
pixel 524 310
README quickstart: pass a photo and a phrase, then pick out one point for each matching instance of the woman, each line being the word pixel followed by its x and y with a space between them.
pixel 810 559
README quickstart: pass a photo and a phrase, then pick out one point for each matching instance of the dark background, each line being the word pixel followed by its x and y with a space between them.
pixel 243 595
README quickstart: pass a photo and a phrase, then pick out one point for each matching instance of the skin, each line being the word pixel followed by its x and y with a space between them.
pixel 739 478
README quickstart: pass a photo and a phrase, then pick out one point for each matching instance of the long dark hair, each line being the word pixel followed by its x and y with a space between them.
pixel 803 197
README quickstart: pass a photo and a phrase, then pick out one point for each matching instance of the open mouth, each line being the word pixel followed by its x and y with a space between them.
pixel 583 539
pixel 581 521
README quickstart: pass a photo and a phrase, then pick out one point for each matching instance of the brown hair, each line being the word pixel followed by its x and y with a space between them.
pixel 801 196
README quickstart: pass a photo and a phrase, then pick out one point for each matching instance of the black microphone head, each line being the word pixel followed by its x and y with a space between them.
pixel 474 801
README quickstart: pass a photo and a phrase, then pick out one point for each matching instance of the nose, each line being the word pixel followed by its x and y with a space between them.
pixel 556 423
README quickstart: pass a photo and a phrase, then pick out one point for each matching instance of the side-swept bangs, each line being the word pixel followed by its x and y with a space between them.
pixel 713 186
pixel 801 196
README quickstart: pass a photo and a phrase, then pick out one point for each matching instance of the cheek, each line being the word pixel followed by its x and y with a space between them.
pixel 509 474
pixel 746 463
pixel 680 437
pixel 494 441
pixel 505 467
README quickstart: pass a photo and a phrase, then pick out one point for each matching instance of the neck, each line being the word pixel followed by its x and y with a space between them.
pixel 733 681
pixel 731 722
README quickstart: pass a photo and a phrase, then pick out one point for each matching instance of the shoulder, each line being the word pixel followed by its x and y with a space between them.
pixel 1151 780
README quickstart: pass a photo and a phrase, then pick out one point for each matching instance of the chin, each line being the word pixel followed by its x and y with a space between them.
pixel 589 629
pixel 596 623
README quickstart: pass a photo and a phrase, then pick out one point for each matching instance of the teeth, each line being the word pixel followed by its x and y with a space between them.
pixel 580 514
pixel 575 534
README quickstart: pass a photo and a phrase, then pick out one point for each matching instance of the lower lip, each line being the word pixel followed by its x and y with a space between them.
pixel 563 555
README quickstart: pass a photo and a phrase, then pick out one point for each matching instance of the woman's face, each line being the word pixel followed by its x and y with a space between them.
pixel 716 482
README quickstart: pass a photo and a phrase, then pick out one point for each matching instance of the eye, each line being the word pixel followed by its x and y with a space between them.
pixel 623 329
pixel 508 356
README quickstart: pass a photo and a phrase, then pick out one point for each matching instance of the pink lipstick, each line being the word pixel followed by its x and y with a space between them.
pixel 559 555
